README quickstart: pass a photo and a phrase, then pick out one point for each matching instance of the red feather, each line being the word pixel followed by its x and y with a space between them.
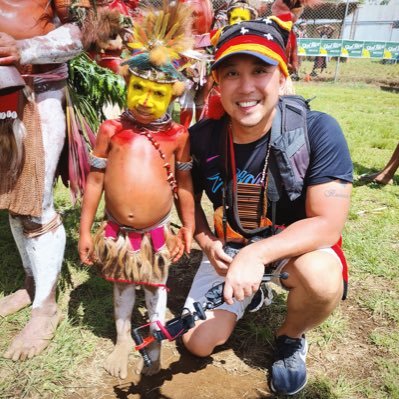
pixel 213 108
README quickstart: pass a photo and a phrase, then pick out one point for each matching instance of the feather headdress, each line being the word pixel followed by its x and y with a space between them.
pixel 159 40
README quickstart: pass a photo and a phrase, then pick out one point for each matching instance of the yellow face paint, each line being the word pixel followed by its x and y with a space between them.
pixel 239 14
pixel 148 100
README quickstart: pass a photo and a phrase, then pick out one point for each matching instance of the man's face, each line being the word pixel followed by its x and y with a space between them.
pixel 249 90
pixel 239 14
pixel 148 100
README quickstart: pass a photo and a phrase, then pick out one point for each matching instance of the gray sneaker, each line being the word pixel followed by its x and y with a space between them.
pixel 257 301
pixel 289 371
pixel 264 296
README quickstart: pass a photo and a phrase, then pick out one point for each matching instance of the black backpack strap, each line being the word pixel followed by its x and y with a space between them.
pixel 290 145
pixel 274 188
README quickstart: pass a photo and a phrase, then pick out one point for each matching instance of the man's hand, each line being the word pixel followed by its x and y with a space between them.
pixel 218 258
pixel 243 276
pixel 9 51
pixel 86 248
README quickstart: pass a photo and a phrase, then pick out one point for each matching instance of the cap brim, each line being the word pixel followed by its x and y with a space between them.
pixel 262 57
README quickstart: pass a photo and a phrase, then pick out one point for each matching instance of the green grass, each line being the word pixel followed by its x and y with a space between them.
pixel 354 354
pixel 359 72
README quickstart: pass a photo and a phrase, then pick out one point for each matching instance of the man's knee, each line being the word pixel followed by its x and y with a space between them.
pixel 319 274
pixel 198 346
pixel 206 335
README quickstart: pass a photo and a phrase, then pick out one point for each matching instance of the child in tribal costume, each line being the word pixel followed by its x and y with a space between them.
pixel 142 163
pixel 241 10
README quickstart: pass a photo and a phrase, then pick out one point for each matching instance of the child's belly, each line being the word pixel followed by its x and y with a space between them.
pixel 137 194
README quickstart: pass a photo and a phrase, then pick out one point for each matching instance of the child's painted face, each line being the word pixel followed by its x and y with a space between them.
pixel 239 14
pixel 148 100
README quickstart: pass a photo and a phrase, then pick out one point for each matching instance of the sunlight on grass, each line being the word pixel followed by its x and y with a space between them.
pixel 331 330
pixel 388 341
pixel 389 369
pixel 383 303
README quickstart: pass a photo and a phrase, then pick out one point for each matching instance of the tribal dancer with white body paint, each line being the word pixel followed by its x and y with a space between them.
pixel 30 40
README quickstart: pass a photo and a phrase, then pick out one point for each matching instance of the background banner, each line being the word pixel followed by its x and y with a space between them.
pixel 347 48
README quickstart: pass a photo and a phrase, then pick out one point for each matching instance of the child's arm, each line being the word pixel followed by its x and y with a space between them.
pixel 93 192
pixel 185 201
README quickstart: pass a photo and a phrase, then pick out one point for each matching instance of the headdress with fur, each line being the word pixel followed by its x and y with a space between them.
pixel 159 41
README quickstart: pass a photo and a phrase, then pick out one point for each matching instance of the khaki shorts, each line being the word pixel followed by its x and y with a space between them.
pixel 206 277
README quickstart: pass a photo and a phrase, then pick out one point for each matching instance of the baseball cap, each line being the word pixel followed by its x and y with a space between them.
pixel 264 38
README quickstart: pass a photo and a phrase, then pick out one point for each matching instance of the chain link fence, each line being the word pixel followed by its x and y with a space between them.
pixel 346 41
pixel 354 41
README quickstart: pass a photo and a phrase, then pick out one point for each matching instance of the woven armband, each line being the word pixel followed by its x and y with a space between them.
pixel 97 162
pixel 184 165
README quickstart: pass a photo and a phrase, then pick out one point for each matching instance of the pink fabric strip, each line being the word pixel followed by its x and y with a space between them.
pixel 135 240
pixel 111 230
pixel 158 238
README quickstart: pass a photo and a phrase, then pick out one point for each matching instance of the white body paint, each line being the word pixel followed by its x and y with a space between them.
pixel 59 45
pixel 124 299
pixel 42 256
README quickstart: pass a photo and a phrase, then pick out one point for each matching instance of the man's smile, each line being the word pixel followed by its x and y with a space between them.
pixel 247 104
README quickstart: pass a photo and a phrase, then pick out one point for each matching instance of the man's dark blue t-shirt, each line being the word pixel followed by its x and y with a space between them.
pixel 329 160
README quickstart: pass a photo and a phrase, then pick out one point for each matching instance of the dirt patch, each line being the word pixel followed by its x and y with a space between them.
pixel 184 376
pixel 240 368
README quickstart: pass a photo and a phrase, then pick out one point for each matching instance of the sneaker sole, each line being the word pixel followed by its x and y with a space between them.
pixel 288 393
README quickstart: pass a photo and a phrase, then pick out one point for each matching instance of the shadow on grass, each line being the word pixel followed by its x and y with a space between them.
pixel 315 389
pixel 11 270
pixel 90 303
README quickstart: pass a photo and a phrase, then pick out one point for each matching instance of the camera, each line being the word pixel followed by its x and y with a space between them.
pixel 232 248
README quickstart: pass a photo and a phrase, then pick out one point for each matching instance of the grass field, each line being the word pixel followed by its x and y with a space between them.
pixel 352 71
pixel 353 355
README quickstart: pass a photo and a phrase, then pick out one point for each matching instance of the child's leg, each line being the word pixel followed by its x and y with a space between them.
pixel 156 307
pixel 117 361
